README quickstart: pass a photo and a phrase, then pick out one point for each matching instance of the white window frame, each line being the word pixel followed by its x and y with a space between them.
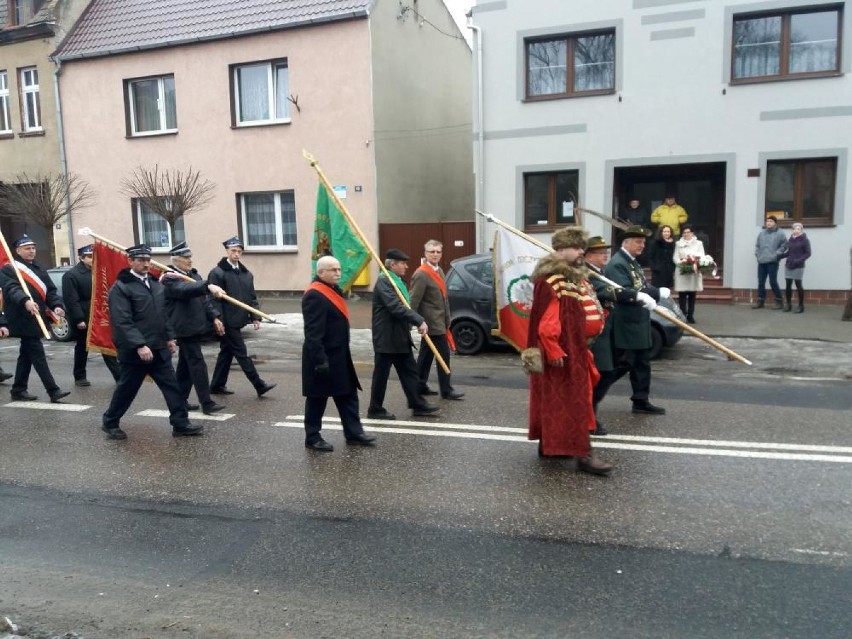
pixel 140 225
pixel 279 232
pixel 161 106
pixel 271 76
pixel 5 111
pixel 30 88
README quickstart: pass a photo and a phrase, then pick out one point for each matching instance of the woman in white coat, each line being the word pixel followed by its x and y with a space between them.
pixel 689 283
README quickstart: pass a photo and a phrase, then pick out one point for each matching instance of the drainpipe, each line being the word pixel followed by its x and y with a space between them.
pixel 479 191
pixel 63 163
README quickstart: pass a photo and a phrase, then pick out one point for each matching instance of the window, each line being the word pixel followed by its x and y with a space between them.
pixel 549 198
pixel 801 190
pixel 269 220
pixel 792 44
pixel 153 230
pixel 261 93
pixel 572 65
pixel 151 105
pixel 482 271
pixel 5 115
pixel 21 12
pixel 31 102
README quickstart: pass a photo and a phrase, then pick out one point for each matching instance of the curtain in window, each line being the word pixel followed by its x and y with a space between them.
pixel 813 42
pixel 757 47
pixel 780 186
pixel 171 104
pixel 155 230
pixel 818 188
pixel 547 62
pixel 594 62
pixel 259 210
pixel 33 107
pixel 282 91
pixel 253 86
pixel 146 98
pixel 536 199
pixel 288 218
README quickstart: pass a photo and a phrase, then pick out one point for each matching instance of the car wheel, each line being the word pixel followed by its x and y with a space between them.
pixel 61 330
pixel 657 342
pixel 469 337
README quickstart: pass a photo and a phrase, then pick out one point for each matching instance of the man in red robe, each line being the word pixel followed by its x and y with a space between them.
pixel 566 316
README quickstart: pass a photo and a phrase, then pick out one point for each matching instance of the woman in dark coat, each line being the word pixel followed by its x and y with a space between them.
pixel 798 251
pixel 661 257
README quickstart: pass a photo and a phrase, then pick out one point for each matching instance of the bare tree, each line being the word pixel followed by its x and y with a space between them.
pixel 45 200
pixel 170 193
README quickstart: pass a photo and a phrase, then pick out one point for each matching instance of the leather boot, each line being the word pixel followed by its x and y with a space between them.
pixel 778 305
pixel 594 465
pixel 788 307
pixel 800 308
pixel 758 304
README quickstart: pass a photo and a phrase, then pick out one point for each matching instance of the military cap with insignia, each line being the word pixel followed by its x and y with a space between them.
pixel 232 242
pixel 140 250
pixel 180 250
pixel 85 250
pixel 24 240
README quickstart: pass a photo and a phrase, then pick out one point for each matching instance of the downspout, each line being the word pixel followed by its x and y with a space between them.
pixel 479 190
pixel 63 162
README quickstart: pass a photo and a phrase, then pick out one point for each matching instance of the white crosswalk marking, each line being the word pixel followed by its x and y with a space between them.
pixel 69 408
pixel 195 415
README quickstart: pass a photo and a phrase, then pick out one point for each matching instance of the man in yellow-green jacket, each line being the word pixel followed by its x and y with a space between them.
pixel 670 213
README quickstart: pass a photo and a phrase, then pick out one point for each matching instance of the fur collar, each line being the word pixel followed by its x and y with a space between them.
pixel 225 265
pixel 552 265
pixel 126 275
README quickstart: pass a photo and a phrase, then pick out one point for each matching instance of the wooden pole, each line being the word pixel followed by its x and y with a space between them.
pixel 165 269
pixel 25 288
pixel 342 208
pixel 660 311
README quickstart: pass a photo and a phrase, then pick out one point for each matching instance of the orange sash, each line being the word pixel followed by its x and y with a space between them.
pixel 443 286
pixel 332 296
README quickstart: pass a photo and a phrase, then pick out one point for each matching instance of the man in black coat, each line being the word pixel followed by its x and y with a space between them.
pixel 145 341
pixel 77 295
pixel 4 332
pixel 392 322
pixel 326 349
pixel 631 323
pixel 238 282
pixel 191 313
pixel 22 307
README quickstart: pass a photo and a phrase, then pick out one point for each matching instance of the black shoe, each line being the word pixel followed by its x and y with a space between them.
pixel 56 395
pixel 221 390
pixel 424 411
pixel 187 431
pixel 799 309
pixel 320 445
pixel 82 382
pixel 5 376
pixel 23 396
pixel 427 391
pixel 380 413
pixel 777 306
pixel 690 319
pixel 453 395
pixel 114 433
pixel 362 439
pixel 647 408
pixel 192 406
pixel 264 388
pixel 758 304
pixel 600 430
pixel 209 409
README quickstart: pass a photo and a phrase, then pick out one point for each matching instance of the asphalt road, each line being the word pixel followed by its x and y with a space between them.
pixel 727 517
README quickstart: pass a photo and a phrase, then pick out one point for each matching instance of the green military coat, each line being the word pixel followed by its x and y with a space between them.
pixel 631 323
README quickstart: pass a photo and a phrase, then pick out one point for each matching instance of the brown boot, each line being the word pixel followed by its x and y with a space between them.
pixel 593 464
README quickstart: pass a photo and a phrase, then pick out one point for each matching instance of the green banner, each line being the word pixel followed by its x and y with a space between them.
pixel 334 236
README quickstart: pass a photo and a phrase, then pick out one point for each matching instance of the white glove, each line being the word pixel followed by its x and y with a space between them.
pixel 647 301
pixel 665 293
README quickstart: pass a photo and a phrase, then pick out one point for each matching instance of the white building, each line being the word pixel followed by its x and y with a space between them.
pixel 740 107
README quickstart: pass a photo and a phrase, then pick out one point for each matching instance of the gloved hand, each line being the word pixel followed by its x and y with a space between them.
pixel 647 301
pixel 665 293
pixel 321 370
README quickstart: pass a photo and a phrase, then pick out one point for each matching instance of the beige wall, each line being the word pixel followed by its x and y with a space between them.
pixel 422 102
pixel 329 72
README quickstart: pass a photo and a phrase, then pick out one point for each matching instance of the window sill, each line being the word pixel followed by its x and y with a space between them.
pixel 808 224
pixel 31 134
pixel 7 136
pixel 270 251
pixel 567 96
pixel 255 125
pixel 152 134
pixel 784 78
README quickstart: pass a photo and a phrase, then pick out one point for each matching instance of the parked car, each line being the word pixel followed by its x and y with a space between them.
pixel 62 330
pixel 473 302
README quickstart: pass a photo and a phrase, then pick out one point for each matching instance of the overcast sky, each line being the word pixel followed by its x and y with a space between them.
pixel 458 8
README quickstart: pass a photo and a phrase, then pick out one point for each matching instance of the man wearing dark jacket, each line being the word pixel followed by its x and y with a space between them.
pixel 327 368
pixel 77 295
pixel 392 322
pixel 22 307
pixel 238 282
pixel 145 341
pixel 4 332
pixel 191 313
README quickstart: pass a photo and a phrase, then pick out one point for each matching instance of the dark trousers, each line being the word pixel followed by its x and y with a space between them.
pixel 133 374
pixel 686 301
pixel 635 362
pixel 406 370
pixel 347 407
pixel 81 355
pixel 800 292
pixel 231 346
pixel 192 370
pixel 424 363
pixel 31 355
pixel 768 271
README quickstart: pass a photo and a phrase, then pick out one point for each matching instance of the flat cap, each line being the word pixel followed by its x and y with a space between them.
pixel 396 254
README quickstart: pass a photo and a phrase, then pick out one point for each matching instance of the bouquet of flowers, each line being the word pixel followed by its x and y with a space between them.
pixel 692 265
pixel 707 266
pixel 688 265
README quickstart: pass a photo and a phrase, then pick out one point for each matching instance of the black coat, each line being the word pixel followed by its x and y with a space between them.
pixel 392 320
pixel 138 315
pixel 602 347
pixel 326 342
pixel 239 284
pixel 77 293
pixel 661 261
pixel 21 323
pixel 631 323
pixel 190 309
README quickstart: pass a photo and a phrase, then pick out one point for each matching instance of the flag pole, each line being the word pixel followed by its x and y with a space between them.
pixel 25 288
pixel 660 311
pixel 352 223
pixel 166 269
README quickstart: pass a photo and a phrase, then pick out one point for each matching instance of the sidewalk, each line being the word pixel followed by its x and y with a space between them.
pixel 715 320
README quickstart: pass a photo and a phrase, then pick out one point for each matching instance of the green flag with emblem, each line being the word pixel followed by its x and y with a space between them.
pixel 334 236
